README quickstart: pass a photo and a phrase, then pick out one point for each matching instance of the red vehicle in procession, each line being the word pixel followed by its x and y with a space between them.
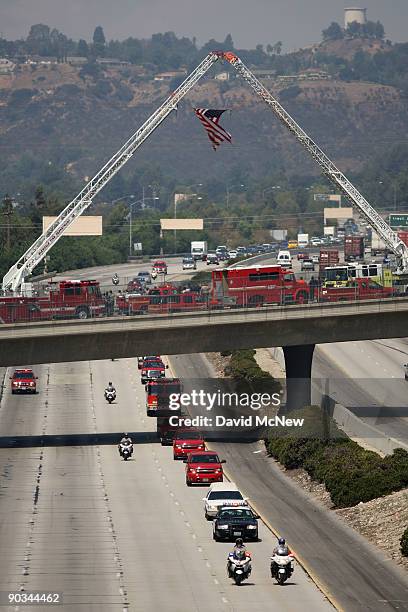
pixel 356 289
pixel 257 286
pixel 203 467
pixel 62 300
pixel 158 394
pixel 160 267
pixel 165 299
pixel 185 441
pixel 152 370
pixel 141 360
pixel 23 381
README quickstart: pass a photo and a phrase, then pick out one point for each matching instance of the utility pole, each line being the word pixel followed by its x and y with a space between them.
pixel 7 212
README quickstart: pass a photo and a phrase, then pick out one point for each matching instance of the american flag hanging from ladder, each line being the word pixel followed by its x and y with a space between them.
pixel 210 118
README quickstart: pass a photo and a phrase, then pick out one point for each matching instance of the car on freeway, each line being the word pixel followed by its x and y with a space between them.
pixel 141 360
pixel 185 441
pixel 150 372
pixel 222 494
pixel 242 251
pixel 232 522
pixel 189 263
pixel 23 381
pixel 284 258
pixel 221 248
pixel 307 264
pixel 302 255
pixel 135 286
pixel 144 278
pixel 233 254
pixel 160 267
pixel 212 258
pixel 166 431
pixel 223 256
pixel 315 259
pixel 251 249
pixel 203 467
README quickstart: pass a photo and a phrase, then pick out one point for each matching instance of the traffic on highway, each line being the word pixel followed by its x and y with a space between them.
pixel 129 523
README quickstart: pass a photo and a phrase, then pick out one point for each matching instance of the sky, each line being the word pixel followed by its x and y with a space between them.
pixel 296 23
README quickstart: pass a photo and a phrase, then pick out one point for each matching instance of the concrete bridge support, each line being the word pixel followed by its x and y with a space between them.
pixel 298 362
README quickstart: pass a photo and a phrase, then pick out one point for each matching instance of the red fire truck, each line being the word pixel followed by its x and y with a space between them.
pixel 164 299
pixel 256 286
pixel 62 300
pixel 355 289
pixel 158 394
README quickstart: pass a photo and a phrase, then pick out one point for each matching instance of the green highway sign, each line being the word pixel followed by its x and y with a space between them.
pixel 398 220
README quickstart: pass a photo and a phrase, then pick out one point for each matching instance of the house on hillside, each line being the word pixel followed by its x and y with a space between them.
pixel 222 76
pixel 169 76
pixel 6 66
pixel 77 61
pixel 264 74
pixel 111 62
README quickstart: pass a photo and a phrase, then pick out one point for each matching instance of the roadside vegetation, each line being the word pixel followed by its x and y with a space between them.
pixel 404 543
pixel 245 370
pixel 350 473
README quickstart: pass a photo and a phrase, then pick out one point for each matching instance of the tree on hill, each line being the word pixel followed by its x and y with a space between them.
pixel 83 48
pixel 333 32
pixel 370 29
pixel 39 40
pixel 99 42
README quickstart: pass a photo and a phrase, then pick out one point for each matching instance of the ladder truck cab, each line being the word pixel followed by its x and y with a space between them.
pixel 62 300
pixel 340 276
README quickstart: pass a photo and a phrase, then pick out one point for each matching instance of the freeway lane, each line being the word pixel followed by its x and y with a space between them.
pixel 357 575
pixel 367 378
pixel 113 535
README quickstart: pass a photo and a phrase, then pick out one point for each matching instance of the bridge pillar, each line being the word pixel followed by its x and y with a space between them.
pixel 298 362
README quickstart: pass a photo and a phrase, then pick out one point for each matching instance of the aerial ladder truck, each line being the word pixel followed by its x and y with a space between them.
pixel 13 281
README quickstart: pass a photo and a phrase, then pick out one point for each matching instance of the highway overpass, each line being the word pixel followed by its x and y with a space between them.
pixel 296 328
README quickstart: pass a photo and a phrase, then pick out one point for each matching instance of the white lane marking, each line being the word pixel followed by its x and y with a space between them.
pixel 208 564
pixel 216 581
pixel 225 600
pixel 188 524
pixel 256 452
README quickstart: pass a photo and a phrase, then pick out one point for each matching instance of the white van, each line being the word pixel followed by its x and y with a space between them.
pixel 222 494
pixel 284 258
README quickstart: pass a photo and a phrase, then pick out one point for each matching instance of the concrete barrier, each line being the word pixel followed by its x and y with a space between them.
pixel 354 427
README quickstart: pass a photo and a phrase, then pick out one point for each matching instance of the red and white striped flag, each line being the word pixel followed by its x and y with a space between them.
pixel 210 118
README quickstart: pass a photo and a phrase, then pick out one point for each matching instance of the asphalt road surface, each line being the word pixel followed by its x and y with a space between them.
pixel 356 575
pixel 368 378
pixel 108 534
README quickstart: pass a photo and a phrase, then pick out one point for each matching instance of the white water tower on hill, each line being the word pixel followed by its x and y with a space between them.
pixel 355 14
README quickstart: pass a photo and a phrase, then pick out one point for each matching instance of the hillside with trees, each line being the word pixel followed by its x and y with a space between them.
pixel 61 119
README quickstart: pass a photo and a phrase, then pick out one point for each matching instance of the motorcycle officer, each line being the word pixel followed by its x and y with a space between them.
pixel 282 549
pixel 238 552
pixel 110 388
pixel 115 279
pixel 125 441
